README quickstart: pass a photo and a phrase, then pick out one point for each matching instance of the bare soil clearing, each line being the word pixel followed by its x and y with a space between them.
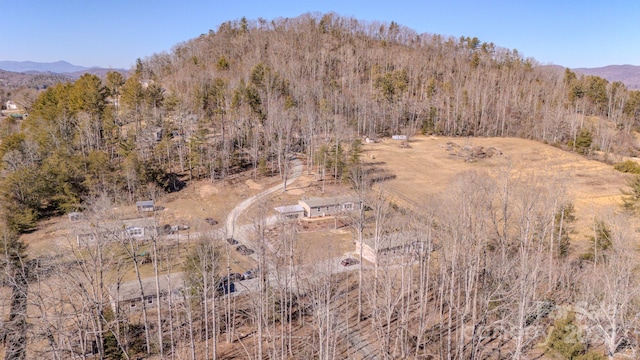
pixel 428 167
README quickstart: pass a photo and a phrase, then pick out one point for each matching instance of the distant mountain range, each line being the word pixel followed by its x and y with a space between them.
pixel 40 75
pixel 627 74
pixel 60 67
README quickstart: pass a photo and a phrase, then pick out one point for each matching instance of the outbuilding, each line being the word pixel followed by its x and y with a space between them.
pixel 290 212
pixel 145 206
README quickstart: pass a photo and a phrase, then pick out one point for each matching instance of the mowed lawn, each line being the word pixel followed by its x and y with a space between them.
pixel 430 165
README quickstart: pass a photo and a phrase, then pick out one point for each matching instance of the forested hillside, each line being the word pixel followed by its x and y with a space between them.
pixel 248 96
pixel 248 93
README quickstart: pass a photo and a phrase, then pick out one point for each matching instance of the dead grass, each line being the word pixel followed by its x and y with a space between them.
pixel 427 168
pixel 323 245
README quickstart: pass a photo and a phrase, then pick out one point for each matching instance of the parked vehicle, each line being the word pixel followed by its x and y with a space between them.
pixel 233 277
pixel 226 287
pixel 250 274
pixel 211 221
pixel 175 228
pixel 244 250
pixel 232 241
pixel 349 262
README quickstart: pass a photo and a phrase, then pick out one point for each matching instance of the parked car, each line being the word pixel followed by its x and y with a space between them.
pixel 232 277
pixel 175 228
pixel 244 250
pixel 211 221
pixel 232 241
pixel 349 262
pixel 226 287
pixel 250 274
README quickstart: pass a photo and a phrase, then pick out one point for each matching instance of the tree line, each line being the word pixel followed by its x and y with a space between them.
pixel 248 95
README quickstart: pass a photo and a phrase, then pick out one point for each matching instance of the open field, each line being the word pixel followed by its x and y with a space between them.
pixel 429 165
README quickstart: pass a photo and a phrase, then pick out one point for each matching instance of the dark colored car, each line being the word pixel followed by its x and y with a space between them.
pixel 211 221
pixel 226 287
pixel 244 250
pixel 232 241
pixel 232 277
pixel 349 262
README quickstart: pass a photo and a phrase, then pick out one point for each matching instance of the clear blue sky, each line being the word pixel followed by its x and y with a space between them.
pixel 113 33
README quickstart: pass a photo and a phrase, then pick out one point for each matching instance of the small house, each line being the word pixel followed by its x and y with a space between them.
pixel 135 231
pixel 290 212
pixel 128 296
pixel 315 207
pixel 145 206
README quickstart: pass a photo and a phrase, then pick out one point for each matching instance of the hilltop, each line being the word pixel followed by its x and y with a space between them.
pixel 492 224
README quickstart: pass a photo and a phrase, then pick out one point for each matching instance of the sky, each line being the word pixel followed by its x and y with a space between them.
pixel 114 33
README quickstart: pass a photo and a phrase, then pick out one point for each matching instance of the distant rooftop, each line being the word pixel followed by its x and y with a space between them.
pixel 326 201
pixel 289 209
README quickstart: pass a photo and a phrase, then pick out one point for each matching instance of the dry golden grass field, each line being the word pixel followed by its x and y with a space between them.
pixel 430 164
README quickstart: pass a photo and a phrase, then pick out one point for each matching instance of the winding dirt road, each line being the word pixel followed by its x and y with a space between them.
pixel 231 224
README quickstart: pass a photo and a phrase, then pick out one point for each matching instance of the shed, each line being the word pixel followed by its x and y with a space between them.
pixel 146 205
pixel 315 207
pixel 290 211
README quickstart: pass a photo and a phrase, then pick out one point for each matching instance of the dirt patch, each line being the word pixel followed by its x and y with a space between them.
pixel 316 246
pixel 253 185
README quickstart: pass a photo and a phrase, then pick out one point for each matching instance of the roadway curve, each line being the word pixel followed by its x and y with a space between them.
pixel 231 224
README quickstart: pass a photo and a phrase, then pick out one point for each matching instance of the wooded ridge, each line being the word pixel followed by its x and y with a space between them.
pixel 493 263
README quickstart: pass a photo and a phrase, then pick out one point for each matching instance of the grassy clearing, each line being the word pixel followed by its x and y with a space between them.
pixel 427 168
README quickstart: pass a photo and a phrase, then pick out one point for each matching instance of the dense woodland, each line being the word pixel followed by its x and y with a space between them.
pixel 496 261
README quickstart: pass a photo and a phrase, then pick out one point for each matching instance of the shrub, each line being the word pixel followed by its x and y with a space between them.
pixel 628 166
pixel 567 339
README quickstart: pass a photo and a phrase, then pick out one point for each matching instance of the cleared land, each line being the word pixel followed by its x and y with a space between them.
pixel 430 164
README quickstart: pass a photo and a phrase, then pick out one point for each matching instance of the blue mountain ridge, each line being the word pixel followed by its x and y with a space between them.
pixel 54 67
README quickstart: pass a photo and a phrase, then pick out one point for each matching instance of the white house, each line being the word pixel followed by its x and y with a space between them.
pixel 135 231
pixel 315 207
pixel 128 296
